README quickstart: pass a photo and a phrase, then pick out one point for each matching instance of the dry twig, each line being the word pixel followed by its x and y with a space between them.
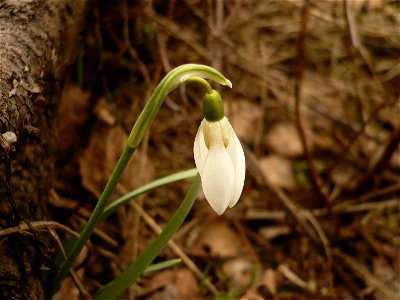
pixel 314 177
pixel 78 283
pixel 22 228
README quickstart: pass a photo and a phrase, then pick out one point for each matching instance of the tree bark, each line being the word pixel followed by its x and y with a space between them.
pixel 37 43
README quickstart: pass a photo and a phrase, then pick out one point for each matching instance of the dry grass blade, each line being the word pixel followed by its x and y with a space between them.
pixel 363 273
pixel 314 177
pixel 328 251
pixel 301 215
pixel 180 33
pixel 293 277
pixel 78 283
pixel 379 166
pixel 297 213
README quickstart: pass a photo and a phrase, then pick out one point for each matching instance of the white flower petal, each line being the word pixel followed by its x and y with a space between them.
pixel 236 155
pixel 226 130
pixel 221 163
pixel 199 149
pixel 218 178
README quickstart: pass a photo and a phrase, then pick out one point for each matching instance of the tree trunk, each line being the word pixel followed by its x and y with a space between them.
pixel 37 42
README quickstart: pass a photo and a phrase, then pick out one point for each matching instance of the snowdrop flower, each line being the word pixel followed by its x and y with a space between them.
pixel 219 156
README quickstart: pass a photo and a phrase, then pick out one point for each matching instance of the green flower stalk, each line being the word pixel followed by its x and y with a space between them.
pixel 172 80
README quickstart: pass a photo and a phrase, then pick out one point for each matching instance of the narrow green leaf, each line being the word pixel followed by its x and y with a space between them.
pixel 162 265
pixel 116 287
pixel 146 188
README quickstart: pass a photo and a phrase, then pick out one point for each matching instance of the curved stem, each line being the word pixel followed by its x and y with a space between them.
pixel 173 79
pixel 202 82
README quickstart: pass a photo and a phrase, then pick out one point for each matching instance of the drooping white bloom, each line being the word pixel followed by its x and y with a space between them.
pixel 220 160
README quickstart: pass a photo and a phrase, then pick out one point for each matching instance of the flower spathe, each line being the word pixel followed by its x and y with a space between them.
pixel 220 161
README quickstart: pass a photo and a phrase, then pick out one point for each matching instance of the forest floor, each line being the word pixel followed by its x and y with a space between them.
pixel 315 102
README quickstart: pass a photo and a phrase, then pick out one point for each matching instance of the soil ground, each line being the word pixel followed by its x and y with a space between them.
pixel 315 102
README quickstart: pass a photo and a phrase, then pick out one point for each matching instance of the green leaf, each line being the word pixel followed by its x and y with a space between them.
pixel 117 286
pixel 162 265
pixel 146 188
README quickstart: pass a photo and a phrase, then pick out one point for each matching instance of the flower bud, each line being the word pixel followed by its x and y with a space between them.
pixel 213 107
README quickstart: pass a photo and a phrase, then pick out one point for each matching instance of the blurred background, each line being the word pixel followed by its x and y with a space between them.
pixel 315 102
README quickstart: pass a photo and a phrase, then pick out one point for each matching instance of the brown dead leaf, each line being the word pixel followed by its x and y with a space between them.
pixel 67 291
pixel 284 140
pixel 278 170
pixel 186 284
pixel 265 286
pixel 74 113
pixel 367 4
pixel 245 116
pixel 219 239
pixel 271 232
pixel 342 174
pixel 157 281
pixel 269 280
pixel 395 160
pixel 239 272
pixel 103 113
pixel 172 284
pixel 253 295
pixel 99 159
pixel 388 275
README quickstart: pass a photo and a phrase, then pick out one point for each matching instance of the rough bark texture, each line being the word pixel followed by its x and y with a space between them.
pixel 37 42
